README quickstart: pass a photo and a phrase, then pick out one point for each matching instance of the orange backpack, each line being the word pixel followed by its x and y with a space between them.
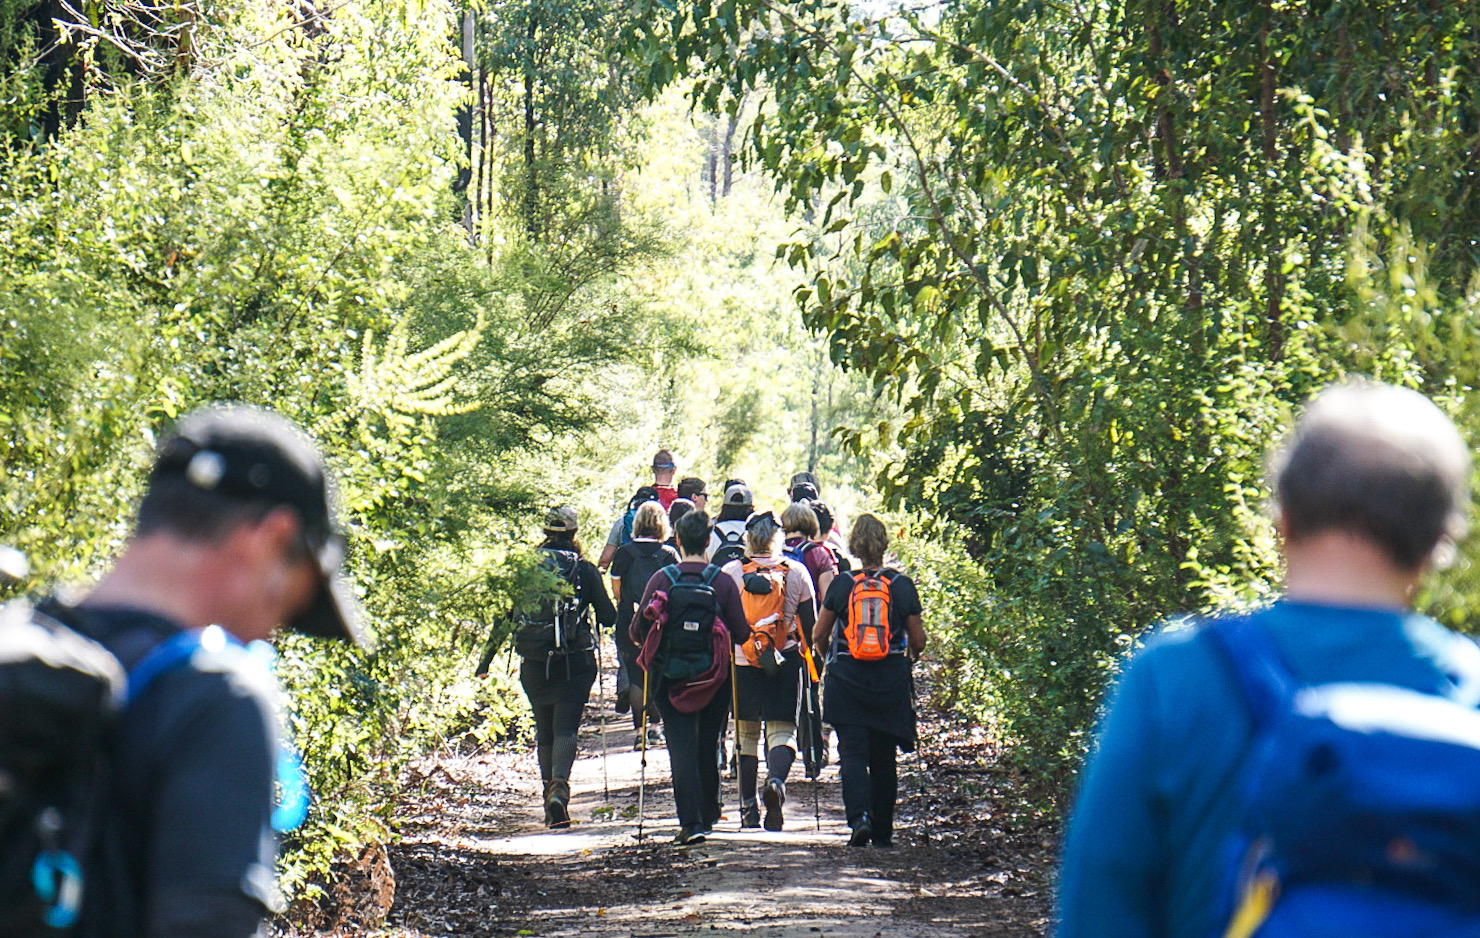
pixel 867 631
pixel 763 598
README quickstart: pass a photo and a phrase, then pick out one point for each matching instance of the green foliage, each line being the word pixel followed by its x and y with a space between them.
pixel 1096 253
pixel 277 230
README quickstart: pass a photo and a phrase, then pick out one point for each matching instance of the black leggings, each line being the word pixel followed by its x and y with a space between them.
pixel 557 706
pixel 870 776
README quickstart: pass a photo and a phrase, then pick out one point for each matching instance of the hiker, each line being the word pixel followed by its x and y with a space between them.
pixel 679 508
pixel 828 534
pixel 621 534
pixel 1196 764
pixel 663 469
pixel 632 568
pixel 695 491
pixel 234 538
pixel 727 540
pixel 803 545
pixel 693 725
pixel 621 531
pixel 780 607
pixel 558 650
pixel 871 628
pixel 803 488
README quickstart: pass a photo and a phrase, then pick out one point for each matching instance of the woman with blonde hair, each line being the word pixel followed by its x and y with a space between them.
pixel 870 628
pixel 633 565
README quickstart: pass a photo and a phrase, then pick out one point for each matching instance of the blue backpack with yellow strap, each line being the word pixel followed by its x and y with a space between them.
pixel 1361 801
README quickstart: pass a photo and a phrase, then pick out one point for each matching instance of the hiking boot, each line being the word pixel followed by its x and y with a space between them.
pixel 774 795
pixel 750 816
pixel 863 832
pixel 624 702
pixel 688 835
pixel 654 736
pixel 557 798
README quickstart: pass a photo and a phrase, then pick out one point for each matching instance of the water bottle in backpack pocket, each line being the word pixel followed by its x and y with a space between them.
pixel 1361 812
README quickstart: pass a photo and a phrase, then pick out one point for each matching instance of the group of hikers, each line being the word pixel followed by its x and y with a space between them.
pixel 1303 768
pixel 766 618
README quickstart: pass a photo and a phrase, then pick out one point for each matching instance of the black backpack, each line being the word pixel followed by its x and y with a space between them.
pixel 60 695
pixel 687 647
pixel 553 628
pixel 645 563
pixel 730 548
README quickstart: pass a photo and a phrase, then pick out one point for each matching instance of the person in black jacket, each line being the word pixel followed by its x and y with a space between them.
pixel 235 537
pixel 559 683
pixel 869 703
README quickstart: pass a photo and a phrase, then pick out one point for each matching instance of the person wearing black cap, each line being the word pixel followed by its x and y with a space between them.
pixel 803 488
pixel 558 680
pixel 234 537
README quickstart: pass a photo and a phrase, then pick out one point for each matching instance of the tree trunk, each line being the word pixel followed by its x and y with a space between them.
pixel 1274 281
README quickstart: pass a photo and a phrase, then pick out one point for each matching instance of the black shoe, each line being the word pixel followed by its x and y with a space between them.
pixel 750 816
pixel 774 795
pixel 863 832
pixel 688 835
pixel 557 799
pixel 624 703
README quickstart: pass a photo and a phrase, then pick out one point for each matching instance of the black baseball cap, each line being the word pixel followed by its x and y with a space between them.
pixel 258 456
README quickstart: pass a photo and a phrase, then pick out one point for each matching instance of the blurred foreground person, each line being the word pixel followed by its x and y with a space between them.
pixel 1308 767
pixel 234 539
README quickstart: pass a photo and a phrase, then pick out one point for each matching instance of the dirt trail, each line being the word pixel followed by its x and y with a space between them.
pixel 476 860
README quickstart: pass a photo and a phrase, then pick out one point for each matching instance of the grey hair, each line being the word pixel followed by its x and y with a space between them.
pixel 1380 462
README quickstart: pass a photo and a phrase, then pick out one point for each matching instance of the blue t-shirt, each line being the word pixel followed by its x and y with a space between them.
pixel 1146 849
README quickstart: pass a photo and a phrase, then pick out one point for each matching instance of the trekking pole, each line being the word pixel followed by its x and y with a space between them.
pixel 812 760
pixel 735 722
pixel 642 770
pixel 606 789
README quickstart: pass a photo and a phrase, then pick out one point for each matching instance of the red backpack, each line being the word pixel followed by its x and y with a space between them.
pixel 867 629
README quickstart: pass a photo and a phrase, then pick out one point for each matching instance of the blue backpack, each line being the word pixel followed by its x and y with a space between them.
pixel 1361 801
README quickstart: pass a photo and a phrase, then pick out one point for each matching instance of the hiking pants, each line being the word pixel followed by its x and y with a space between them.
pixel 557 705
pixel 870 776
pixel 693 739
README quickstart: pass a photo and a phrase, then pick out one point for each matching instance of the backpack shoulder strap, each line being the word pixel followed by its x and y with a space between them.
pixel 710 572
pixel 166 656
pixel 1262 674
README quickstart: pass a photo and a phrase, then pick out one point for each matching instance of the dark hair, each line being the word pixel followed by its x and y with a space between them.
pixel 690 486
pixel 824 517
pixel 563 540
pixel 803 478
pixel 645 493
pixel 729 512
pixel 868 540
pixel 692 532
pixel 1379 462
pixel 730 482
pixel 174 506
pixel 679 508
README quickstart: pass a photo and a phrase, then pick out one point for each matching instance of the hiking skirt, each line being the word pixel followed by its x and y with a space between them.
pixel 566 680
pixel 875 694
pixel 762 696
